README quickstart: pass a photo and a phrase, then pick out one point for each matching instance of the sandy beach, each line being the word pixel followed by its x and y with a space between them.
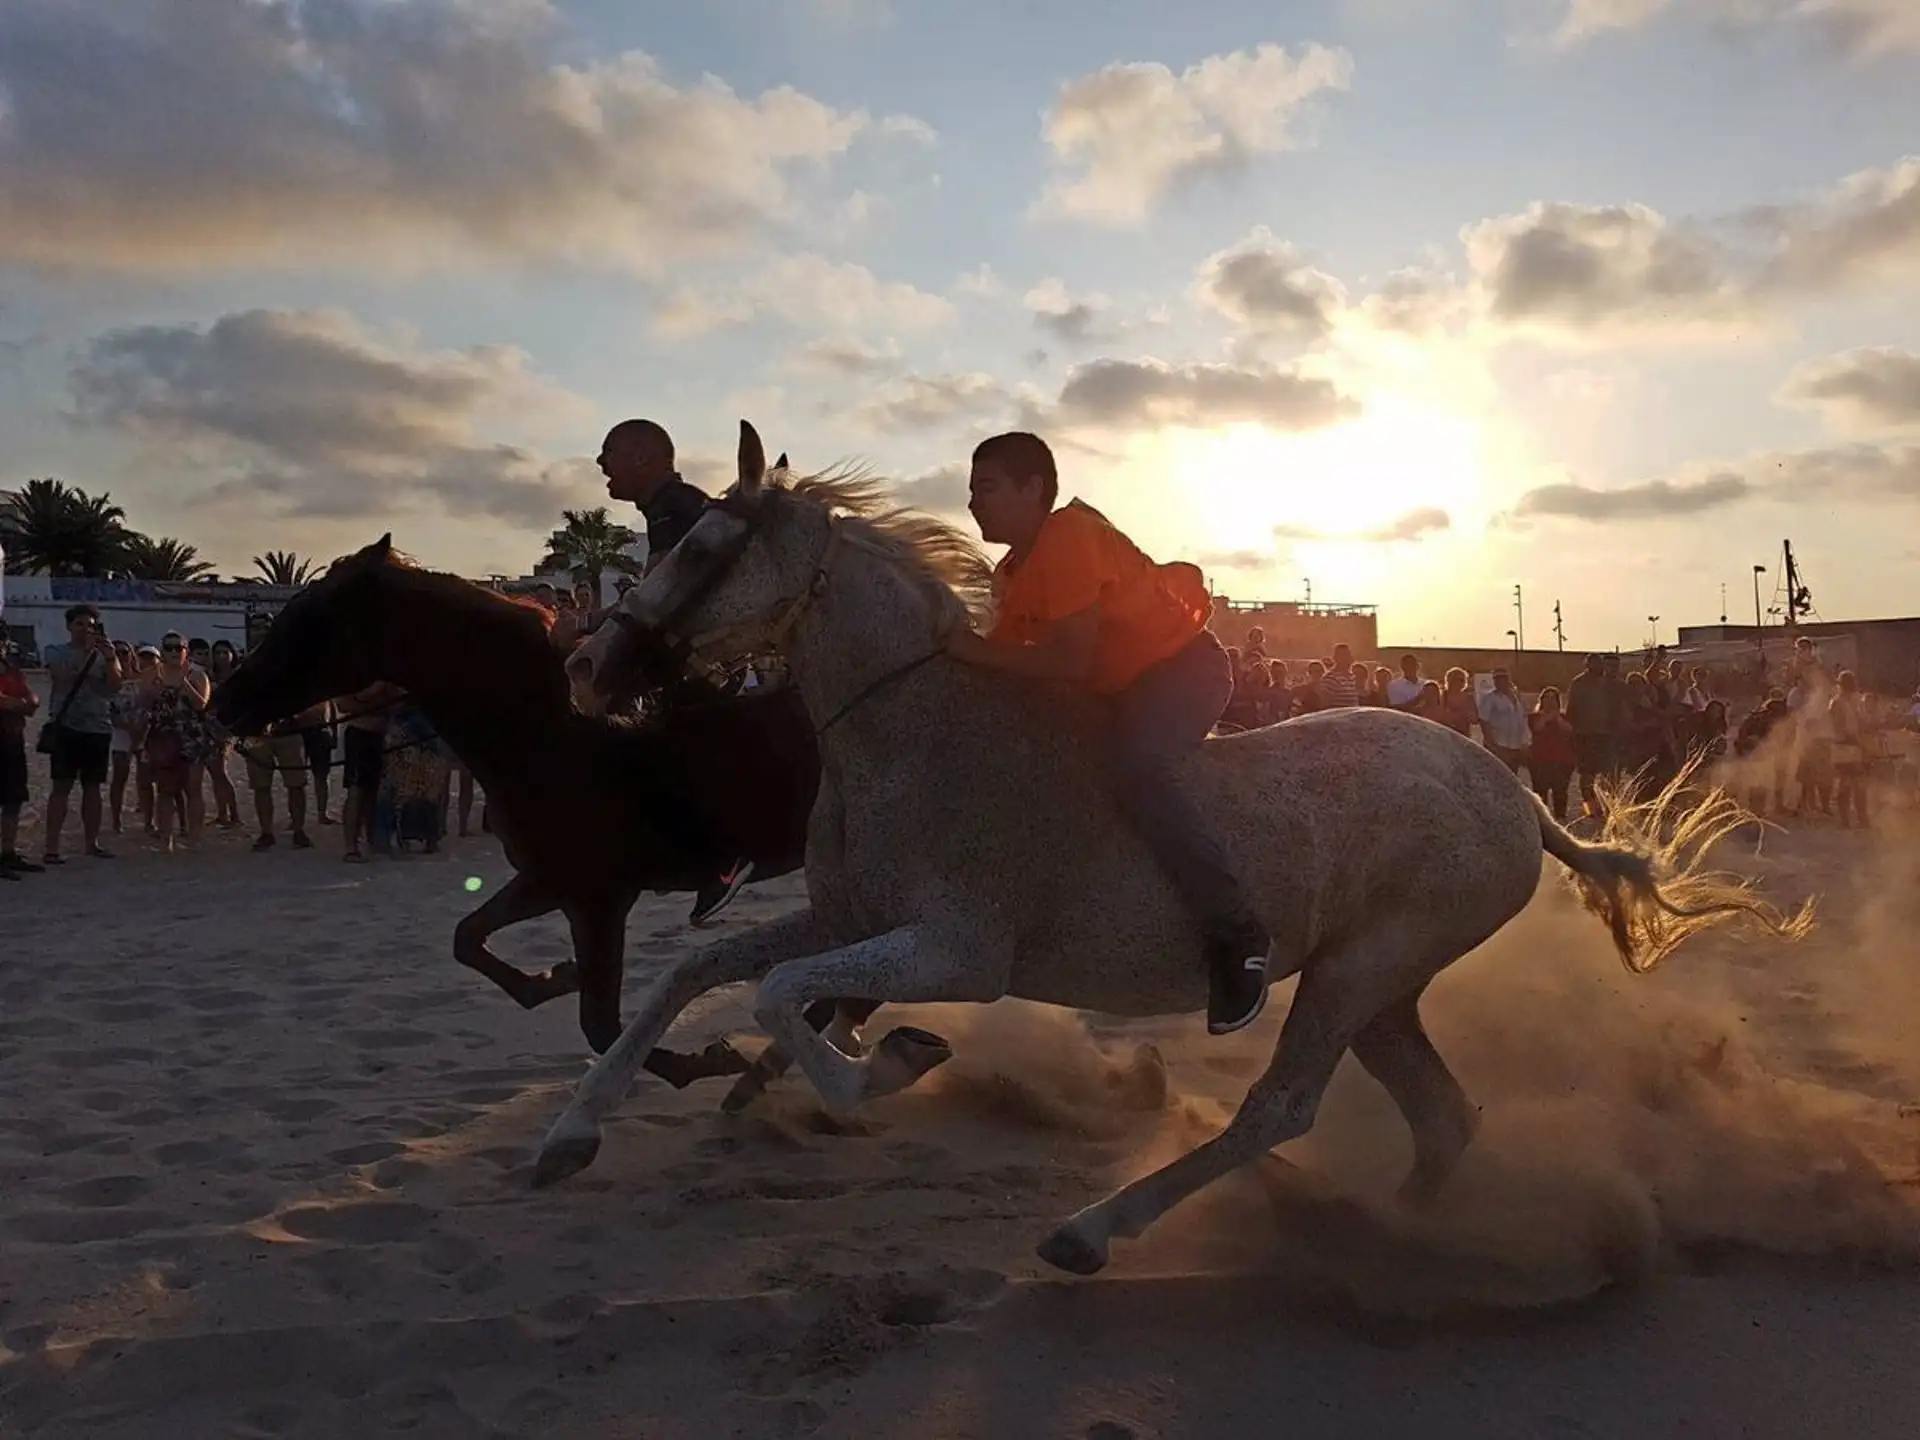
pixel 265 1152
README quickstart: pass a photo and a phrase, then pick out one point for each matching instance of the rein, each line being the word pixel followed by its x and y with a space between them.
pixel 785 617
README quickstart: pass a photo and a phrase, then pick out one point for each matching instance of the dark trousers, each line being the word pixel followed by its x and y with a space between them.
pixel 1550 783
pixel 1157 721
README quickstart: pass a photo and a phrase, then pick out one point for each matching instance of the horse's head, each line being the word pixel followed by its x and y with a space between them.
pixel 324 643
pixel 734 577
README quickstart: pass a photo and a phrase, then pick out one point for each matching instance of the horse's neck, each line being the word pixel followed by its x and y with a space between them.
pixel 487 691
pixel 872 622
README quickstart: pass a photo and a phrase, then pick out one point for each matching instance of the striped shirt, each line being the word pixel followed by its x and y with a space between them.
pixel 1337 690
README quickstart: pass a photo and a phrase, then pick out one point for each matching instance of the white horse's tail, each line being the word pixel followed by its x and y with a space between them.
pixel 1654 892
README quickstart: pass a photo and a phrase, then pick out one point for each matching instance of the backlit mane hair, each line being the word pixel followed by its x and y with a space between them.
pixel 478 596
pixel 946 562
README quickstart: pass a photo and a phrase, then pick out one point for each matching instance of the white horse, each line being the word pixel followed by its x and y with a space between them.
pixel 963 848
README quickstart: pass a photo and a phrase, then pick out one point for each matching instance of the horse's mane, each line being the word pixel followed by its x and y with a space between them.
pixel 483 600
pixel 945 561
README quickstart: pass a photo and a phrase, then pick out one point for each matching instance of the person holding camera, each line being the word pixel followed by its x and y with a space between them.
pixel 78 739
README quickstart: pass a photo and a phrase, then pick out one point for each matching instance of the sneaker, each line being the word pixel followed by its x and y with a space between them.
pixel 16 865
pixel 1236 990
pixel 265 842
pixel 302 841
pixel 718 893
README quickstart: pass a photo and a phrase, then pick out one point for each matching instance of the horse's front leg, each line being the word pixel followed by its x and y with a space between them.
pixel 518 900
pixel 575 1137
pixel 915 964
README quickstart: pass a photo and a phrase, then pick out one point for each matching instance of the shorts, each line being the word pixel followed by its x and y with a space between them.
pixel 318 744
pixel 80 755
pixel 361 764
pixel 13 774
pixel 122 741
pixel 282 753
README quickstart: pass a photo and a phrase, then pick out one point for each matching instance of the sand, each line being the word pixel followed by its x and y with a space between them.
pixel 264 1152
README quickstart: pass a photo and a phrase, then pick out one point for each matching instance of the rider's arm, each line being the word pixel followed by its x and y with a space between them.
pixel 1064 649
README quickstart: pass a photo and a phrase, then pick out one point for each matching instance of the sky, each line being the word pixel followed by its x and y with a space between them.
pixel 1399 302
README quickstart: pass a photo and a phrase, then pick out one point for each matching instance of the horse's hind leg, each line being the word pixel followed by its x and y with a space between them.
pixel 1339 994
pixel 839 1022
pixel 1395 1050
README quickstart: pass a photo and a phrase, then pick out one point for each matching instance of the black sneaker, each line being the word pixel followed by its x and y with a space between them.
pixel 1236 989
pixel 18 865
pixel 718 893
pixel 264 842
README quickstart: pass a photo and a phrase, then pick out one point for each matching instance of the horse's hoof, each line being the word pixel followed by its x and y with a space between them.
pixel 747 1089
pixel 1067 1249
pixel 902 1057
pixel 562 1158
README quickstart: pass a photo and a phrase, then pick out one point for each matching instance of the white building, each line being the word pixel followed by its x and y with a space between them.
pixel 138 610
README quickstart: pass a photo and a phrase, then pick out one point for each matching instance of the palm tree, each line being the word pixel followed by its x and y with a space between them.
pixel 56 529
pixel 588 545
pixel 144 558
pixel 283 567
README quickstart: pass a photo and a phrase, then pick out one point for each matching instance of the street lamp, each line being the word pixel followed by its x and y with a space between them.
pixel 1653 631
pixel 1758 571
pixel 1514 635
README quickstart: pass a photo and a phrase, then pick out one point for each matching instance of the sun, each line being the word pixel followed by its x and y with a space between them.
pixel 1348 484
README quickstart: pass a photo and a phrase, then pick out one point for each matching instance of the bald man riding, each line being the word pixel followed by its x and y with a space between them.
pixel 637 459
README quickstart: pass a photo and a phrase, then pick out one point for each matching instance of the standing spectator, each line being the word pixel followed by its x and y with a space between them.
pixel 1403 691
pixel 1810 701
pixel 1430 704
pixel 365 716
pixel 17 705
pixel 121 750
pixel 316 739
pixel 1771 720
pixel 1256 646
pixel 1848 722
pixel 1337 690
pixel 1382 683
pixel 79 737
pixel 1457 710
pixel 1698 693
pixel 173 738
pixel 215 663
pixel 1591 712
pixel 129 702
pixel 1552 753
pixel 1503 722
pixel 279 749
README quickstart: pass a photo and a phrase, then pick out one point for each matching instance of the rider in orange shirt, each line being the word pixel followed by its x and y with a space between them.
pixel 1078 602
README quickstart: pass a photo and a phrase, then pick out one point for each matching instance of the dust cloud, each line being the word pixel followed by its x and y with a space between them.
pixel 1749 1096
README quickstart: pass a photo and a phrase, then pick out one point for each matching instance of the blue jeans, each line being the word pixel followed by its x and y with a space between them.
pixel 1158 720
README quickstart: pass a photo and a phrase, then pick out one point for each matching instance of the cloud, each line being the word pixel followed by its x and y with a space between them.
pixel 848 357
pixel 1413 301
pixel 1235 560
pixel 1634 502
pixel 941 491
pixel 1269 289
pixel 1152 394
pixel 1573 270
pixel 175 135
pixel 803 291
pixel 1861 391
pixel 928 402
pixel 1414 525
pixel 316 415
pixel 1073 322
pixel 1840 474
pixel 1860 30
pixel 1866 231
pixel 1126 136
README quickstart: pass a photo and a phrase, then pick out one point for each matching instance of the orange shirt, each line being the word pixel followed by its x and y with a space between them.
pixel 1148 612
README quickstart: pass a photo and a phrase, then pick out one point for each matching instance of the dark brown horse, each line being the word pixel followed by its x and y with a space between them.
pixel 591 812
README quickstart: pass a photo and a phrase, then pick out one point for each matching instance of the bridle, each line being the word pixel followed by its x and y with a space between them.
pixel 772 629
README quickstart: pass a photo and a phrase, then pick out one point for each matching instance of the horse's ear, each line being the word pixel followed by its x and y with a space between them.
pixel 753 460
pixel 383 547
pixel 781 463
